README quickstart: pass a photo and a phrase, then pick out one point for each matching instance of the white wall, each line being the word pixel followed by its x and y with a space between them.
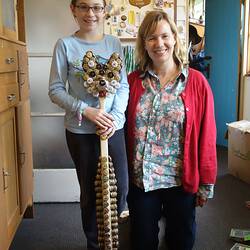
pixel 46 21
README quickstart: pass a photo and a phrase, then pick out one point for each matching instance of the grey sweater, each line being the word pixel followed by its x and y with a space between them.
pixel 66 88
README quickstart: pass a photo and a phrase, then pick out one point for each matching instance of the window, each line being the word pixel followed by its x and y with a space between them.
pixel 246 39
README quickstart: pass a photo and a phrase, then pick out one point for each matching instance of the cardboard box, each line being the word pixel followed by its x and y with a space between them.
pixel 239 149
pixel 240 235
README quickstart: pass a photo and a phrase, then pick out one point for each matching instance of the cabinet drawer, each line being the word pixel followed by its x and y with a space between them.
pixel 9 94
pixel 8 60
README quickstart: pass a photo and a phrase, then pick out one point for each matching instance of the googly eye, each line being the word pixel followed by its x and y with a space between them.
pixel 102 83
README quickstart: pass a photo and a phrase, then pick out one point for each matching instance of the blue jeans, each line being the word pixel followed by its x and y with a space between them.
pixel 146 209
pixel 85 151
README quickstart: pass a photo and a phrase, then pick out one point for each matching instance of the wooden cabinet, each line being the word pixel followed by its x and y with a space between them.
pixel 16 176
pixel 16 185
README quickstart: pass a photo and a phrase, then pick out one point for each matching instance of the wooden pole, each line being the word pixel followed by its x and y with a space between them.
pixel 106 193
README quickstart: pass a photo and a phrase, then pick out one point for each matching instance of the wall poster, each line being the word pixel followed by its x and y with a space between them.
pixel 125 16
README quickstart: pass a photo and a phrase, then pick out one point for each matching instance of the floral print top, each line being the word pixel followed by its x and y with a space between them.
pixel 159 133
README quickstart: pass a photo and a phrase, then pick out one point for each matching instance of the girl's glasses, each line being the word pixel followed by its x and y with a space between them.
pixel 86 8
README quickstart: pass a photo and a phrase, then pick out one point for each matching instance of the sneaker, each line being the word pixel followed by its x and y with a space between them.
pixel 124 216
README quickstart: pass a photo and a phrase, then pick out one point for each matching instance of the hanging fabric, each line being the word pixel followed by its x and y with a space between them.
pixel 129 57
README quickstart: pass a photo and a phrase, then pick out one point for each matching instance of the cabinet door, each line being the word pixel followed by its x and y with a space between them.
pixel 9 19
pixel 9 168
pixel 25 161
pixel 3 217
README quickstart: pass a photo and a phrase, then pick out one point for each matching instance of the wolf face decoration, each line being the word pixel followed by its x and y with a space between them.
pixel 101 79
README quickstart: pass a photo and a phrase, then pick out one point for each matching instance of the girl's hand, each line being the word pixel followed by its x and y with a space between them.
pixel 105 133
pixel 102 119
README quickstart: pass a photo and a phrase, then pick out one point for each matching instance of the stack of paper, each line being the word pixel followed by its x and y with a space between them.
pixel 239 246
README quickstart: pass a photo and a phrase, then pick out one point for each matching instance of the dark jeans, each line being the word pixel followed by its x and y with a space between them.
pixel 85 151
pixel 146 209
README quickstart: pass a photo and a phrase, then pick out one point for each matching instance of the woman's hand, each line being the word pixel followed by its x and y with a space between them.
pixel 102 119
pixel 200 201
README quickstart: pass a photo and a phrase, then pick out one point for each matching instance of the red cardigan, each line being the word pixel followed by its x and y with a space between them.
pixel 200 161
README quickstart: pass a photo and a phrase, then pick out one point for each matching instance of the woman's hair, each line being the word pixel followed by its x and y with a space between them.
pixel 73 2
pixel 147 27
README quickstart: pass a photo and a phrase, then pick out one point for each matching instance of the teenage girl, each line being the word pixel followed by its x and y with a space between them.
pixel 67 91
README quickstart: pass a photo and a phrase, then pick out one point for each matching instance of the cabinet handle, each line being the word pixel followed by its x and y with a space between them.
pixel 23 79
pixel 10 60
pixel 5 174
pixel 22 158
pixel 22 83
pixel 11 97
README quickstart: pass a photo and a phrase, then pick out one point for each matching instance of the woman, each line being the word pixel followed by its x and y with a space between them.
pixel 171 137
pixel 83 143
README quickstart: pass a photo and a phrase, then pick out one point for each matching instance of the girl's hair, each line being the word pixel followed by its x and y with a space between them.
pixel 73 2
pixel 147 27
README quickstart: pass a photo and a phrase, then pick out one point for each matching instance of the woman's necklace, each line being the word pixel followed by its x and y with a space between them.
pixel 168 78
